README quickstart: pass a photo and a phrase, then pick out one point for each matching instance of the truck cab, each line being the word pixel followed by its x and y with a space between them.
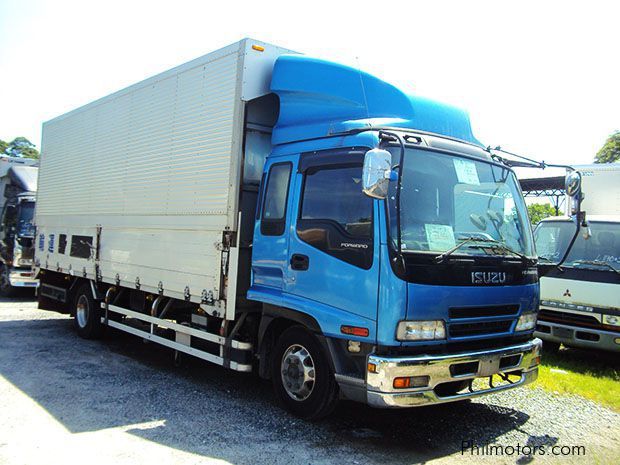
pixel 415 294
pixel 580 292
pixel 17 230
pixel 580 301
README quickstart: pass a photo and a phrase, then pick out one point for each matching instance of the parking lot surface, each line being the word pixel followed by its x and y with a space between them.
pixel 119 400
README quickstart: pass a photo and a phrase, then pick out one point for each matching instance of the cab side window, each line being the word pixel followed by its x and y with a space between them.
pixel 273 218
pixel 335 216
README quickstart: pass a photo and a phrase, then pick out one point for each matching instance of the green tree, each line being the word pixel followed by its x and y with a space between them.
pixel 19 147
pixel 539 211
pixel 610 152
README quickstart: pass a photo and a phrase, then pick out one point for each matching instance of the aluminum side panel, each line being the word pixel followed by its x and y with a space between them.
pixel 162 149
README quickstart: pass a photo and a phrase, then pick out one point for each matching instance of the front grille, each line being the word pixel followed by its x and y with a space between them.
pixel 28 254
pixel 457 326
pixel 477 312
pixel 571 319
pixel 479 328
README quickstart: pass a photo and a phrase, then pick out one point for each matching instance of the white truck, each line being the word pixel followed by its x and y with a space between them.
pixel 580 301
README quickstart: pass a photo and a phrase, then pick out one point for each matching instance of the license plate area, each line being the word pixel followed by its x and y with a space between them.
pixel 488 366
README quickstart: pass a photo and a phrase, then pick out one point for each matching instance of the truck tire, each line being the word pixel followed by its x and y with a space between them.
pixel 86 313
pixel 302 378
pixel 6 290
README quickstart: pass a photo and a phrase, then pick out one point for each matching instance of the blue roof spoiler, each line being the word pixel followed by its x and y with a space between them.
pixel 319 98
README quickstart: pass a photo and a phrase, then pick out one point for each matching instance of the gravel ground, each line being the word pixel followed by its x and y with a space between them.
pixel 67 400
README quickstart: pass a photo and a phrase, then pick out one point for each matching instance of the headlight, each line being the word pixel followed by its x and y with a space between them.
pixel 420 330
pixel 526 322
pixel 611 320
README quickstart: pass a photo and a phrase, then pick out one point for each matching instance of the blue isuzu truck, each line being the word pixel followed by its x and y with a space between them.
pixel 276 213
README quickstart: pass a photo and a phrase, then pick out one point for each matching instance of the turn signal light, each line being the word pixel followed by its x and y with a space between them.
pixel 410 382
pixel 258 48
pixel 372 368
pixel 354 331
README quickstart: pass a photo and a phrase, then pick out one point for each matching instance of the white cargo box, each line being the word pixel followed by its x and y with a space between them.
pixel 600 184
pixel 140 186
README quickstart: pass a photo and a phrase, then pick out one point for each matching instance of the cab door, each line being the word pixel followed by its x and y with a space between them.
pixel 271 240
pixel 333 248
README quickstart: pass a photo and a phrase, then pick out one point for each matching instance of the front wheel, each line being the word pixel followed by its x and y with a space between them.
pixel 86 313
pixel 302 378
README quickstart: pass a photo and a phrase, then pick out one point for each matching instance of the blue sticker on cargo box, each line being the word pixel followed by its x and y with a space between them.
pixel 466 171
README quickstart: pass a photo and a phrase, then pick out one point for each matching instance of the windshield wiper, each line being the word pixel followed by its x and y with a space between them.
pixel 597 263
pixel 441 257
pixel 496 244
pixel 505 248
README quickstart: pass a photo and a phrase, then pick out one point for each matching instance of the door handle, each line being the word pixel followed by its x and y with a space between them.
pixel 300 262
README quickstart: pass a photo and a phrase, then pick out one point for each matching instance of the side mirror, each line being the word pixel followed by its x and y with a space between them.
pixel 573 190
pixel 572 184
pixel 377 173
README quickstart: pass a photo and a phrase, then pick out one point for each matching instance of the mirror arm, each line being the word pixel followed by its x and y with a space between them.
pixel 581 221
pixel 534 163
pixel 401 161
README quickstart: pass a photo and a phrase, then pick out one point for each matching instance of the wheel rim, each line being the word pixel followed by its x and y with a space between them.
pixel 81 311
pixel 298 372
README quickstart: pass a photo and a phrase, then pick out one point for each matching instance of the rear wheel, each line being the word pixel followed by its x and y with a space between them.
pixel 86 313
pixel 301 375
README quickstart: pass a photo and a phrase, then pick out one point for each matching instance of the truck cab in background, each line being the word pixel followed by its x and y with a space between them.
pixel 17 229
pixel 580 299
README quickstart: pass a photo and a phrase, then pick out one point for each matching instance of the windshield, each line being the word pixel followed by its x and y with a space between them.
pixel 447 200
pixel 25 225
pixel 553 237
pixel 26 212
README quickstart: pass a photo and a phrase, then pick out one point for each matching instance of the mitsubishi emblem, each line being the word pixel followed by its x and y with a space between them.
pixel 567 293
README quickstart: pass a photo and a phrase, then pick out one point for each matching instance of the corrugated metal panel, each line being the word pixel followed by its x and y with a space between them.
pixel 156 167
pixel 162 149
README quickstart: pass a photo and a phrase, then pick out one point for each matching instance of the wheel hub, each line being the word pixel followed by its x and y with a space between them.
pixel 81 311
pixel 298 373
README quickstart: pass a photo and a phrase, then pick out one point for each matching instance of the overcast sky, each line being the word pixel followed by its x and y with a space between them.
pixel 539 78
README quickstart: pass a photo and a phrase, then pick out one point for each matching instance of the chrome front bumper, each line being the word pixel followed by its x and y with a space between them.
pixel 519 360
pixel 585 338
